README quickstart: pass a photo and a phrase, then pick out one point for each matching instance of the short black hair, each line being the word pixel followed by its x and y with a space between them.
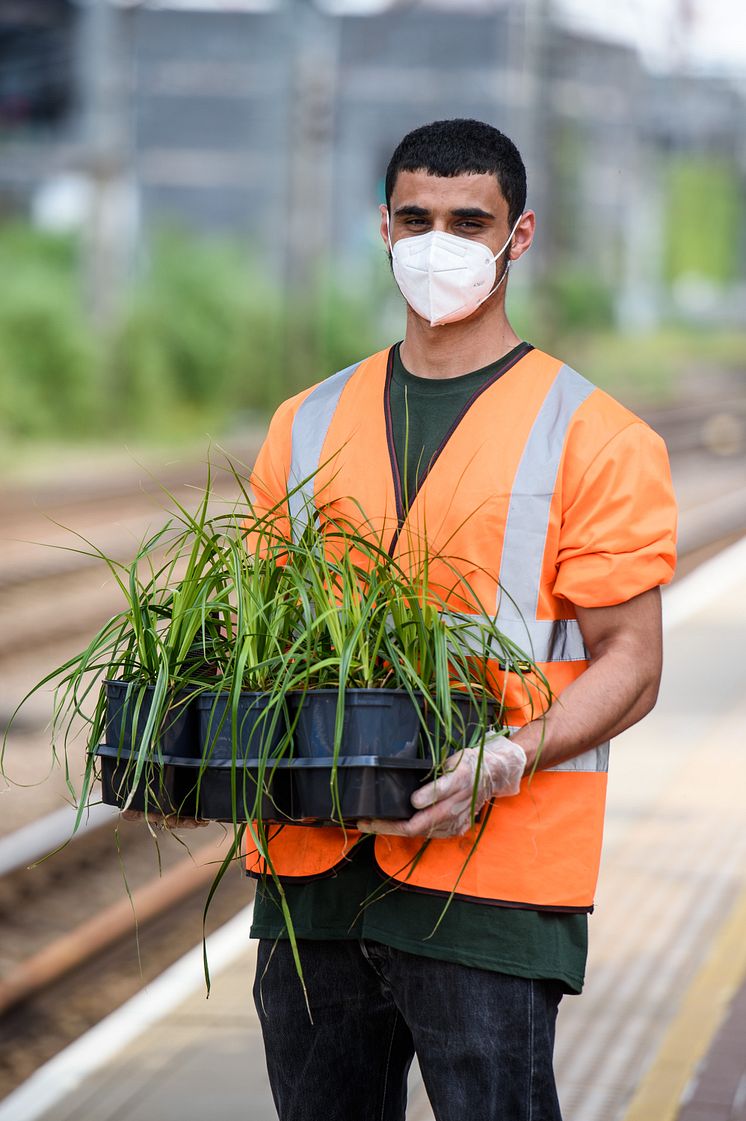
pixel 461 147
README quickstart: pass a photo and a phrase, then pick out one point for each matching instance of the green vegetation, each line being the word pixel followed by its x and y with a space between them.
pixel 205 344
pixel 202 342
pixel 703 213
pixel 48 365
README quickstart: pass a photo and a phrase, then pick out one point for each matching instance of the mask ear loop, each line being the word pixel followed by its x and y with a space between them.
pixel 506 270
pixel 388 232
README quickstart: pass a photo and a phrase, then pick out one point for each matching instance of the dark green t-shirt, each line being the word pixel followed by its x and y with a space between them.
pixel 356 901
pixel 424 411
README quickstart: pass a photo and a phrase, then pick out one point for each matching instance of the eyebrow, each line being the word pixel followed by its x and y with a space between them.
pixel 471 212
pixel 459 212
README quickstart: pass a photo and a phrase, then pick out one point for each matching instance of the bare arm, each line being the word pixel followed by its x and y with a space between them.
pixel 619 687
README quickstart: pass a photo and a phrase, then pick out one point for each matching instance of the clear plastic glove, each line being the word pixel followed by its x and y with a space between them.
pixel 158 821
pixel 445 804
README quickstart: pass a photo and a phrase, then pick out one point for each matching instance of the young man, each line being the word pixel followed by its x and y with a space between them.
pixel 545 487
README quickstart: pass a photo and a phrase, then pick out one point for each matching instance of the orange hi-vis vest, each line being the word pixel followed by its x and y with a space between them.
pixel 546 494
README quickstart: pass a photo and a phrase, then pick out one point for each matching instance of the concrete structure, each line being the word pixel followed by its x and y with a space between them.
pixel 276 125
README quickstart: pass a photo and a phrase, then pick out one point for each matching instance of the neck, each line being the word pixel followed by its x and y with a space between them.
pixel 457 348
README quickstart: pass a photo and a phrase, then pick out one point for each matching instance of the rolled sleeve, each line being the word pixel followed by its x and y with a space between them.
pixel 618 535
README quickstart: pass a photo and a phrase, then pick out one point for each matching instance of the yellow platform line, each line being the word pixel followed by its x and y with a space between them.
pixel 693 1029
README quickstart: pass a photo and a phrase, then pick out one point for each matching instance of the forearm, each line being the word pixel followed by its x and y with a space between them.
pixel 619 687
pixel 601 703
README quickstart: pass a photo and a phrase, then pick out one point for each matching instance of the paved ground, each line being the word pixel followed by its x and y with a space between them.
pixel 674 861
pixel 718 1090
pixel 663 1017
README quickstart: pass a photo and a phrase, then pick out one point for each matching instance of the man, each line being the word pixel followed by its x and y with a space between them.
pixel 547 489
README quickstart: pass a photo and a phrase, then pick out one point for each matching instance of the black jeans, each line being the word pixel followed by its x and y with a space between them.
pixel 484 1040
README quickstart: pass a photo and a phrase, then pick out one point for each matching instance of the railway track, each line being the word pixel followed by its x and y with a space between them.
pixel 53 587
pixel 72 949
pixel 84 946
pixel 74 944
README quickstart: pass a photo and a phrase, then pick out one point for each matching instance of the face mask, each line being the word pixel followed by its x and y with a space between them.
pixel 443 277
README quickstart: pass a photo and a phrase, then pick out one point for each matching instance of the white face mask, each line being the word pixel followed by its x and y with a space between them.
pixel 444 277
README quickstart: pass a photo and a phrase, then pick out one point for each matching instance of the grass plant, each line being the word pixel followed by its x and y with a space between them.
pixel 222 604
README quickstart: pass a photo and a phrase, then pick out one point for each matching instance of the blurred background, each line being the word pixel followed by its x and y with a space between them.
pixel 189 190
pixel 189 198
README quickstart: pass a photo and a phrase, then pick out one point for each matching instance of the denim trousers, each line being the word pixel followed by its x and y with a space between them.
pixel 484 1040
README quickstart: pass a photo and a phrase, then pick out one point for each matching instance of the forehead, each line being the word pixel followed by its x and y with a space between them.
pixel 436 192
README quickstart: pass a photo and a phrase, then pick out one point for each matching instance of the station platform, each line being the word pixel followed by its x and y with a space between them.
pixel 659 1033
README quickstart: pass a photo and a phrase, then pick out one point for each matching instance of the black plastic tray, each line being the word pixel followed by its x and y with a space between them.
pixel 466 723
pixel 224 798
pixel 367 786
pixel 164 787
pixel 293 790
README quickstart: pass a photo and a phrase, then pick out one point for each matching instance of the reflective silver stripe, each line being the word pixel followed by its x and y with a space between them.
pixel 595 759
pixel 310 427
pixel 546 640
pixel 527 525
pixel 524 543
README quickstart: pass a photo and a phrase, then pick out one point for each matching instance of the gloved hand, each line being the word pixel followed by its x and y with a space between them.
pixel 445 804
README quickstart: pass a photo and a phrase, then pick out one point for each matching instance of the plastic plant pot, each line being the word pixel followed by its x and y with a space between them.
pixel 377 722
pixel 260 727
pixel 466 724
pixel 164 787
pixel 177 735
pixel 367 786
pixel 228 792
pixel 230 769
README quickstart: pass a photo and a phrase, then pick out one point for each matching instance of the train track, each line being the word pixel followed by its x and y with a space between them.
pixel 71 950
pixel 82 946
pixel 54 587
pixel 84 929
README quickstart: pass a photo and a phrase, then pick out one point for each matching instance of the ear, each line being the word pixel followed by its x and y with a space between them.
pixel 384 224
pixel 523 236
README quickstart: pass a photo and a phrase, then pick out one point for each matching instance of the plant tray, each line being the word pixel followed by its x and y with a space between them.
pixel 164 786
pixel 367 786
pixel 466 723
pixel 224 798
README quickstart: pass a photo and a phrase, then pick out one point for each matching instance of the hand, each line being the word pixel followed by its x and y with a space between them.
pixel 449 798
pixel 161 821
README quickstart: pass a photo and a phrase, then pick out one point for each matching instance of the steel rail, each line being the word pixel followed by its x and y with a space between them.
pixel 89 938
pixel 40 838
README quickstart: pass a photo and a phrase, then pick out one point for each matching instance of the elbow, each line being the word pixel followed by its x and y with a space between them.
pixel 648 696
pixel 648 701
